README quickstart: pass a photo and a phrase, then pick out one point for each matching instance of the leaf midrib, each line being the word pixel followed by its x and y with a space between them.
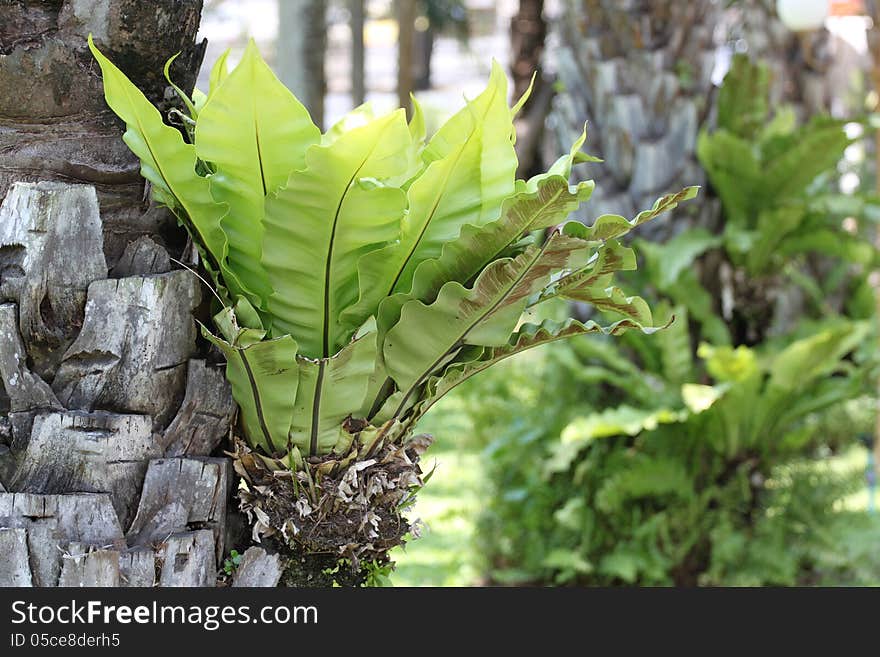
pixel 439 197
pixel 459 340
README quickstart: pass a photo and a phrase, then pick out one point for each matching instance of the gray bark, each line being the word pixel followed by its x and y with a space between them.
pixel 88 443
pixel 109 409
pixel 639 74
pixel 54 123
pixel 799 63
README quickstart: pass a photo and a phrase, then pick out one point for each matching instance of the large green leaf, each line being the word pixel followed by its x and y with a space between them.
pixel 264 378
pixel 471 167
pixel 166 161
pixel 734 170
pixel 429 336
pixel 773 226
pixel 795 161
pixel 742 101
pixel 690 293
pixel 667 261
pixel 330 390
pixel 621 421
pixel 526 337
pixel 610 226
pixel 255 134
pixel 818 355
pixel 319 225
pixel 548 205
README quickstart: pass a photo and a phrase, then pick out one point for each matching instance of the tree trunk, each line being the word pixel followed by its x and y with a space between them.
pixel 799 63
pixel 107 402
pixel 423 55
pixel 358 86
pixel 639 73
pixel 302 43
pixel 528 33
pixel 643 74
pixel 406 16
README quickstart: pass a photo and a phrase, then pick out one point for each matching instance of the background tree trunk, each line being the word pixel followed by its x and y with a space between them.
pixel 109 412
pixel 799 63
pixel 358 86
pixel 528 33
pixel 639 72
pixel 406 16
pixel 302 45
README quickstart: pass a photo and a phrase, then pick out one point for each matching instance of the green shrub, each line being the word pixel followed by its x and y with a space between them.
pixel 704 455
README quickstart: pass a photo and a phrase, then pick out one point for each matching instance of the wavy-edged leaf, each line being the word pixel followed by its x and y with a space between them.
pixel 254 133
pixel 468 169
pixel 792 162
pixel 429 336
pixel 593 283
pixel 330 390
pixel 264 379
pixel 356 118
pixel 549 205
pixel 609 226
pixel 166 161
pixel 609 298
pixel 323 221
pixel 808 359
pixel 526 337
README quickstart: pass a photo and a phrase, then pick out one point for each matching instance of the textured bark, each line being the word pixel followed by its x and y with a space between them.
pixel 54 124
pixel 257 568
pixel 50 250
pixel 127 392
pixel 108 408
pixel 639 73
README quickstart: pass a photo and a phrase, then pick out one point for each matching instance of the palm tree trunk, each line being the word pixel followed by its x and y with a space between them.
pixel 358 84
pixel 108 402
pixel 639 73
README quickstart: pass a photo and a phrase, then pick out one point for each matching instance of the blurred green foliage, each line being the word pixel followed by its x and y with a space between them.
pixel 723 450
